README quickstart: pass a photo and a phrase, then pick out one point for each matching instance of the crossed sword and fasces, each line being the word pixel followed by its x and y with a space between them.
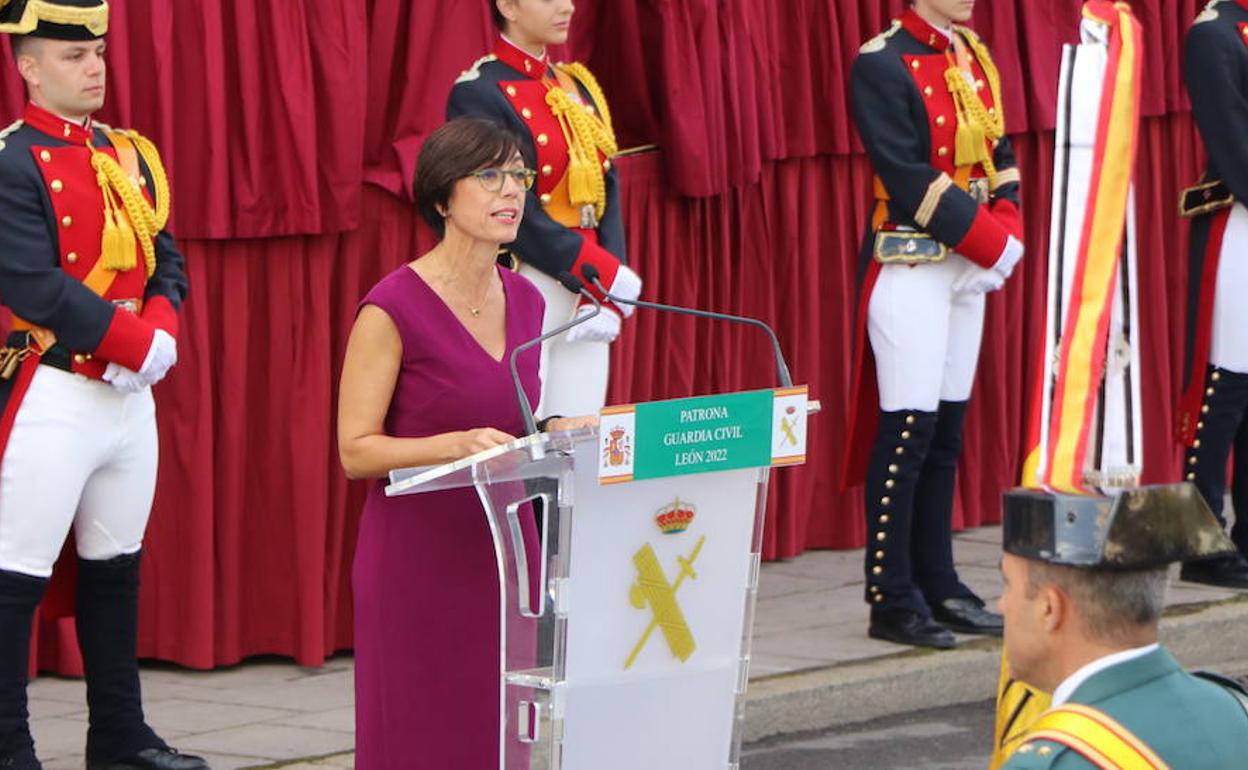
pixel 653 589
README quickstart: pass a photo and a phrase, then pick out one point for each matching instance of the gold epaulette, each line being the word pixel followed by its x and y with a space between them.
pixel 474 72
pixel 5 133
pixel 878 42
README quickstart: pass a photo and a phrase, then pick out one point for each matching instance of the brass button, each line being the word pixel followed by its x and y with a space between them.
pixel 45 156
pixel 905 434
pixel 57 185
pixel 1191 477
pixel 884 519
pixel 79 358
pixel 927 90
pixel 71 257
pixel 1200 425
pixel 879 554
pixel 893 468
pixel 547 170
pixel 1026 748
pixel 545 198
pixel 1216 376
pixel 886 500
pixel 909 419
pixel 940 120
pixel 527 113
pixel 606 165
pixel 877 598
pixel 1191 460
pixel 67 221
pixel 542 140
pixel 875 589
pixel 1204 409
pixel 1044 751
pixel 881 536
pixel 1209 391
pixel 901 450
pixel 890 484
pixel 943 151
pixel 914 65
pixel 511 90
pixel 877 570
pixel 1196 444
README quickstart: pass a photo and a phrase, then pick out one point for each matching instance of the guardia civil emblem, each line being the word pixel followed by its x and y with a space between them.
pixel 652 590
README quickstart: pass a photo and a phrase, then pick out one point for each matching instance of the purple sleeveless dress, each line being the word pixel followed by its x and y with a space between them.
pixel 424 579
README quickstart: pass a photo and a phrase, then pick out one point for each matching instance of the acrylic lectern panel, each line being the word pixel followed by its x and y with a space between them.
pixel 625 609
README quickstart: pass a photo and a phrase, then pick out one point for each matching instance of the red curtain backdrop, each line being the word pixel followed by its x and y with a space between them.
pixel 290 129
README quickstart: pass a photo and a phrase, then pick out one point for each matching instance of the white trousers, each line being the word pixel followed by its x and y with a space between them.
pixel 1229 346
pixel 83 454
pixel 924 335
pixel 574 374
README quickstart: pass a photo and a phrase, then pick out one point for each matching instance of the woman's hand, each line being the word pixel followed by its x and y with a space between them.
pixel 469 442
pixel 571 423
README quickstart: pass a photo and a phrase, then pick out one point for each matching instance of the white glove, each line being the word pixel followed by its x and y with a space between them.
pixel 161 357
pixel 978 280
pixel 123 379
pixel 604 327
pixel 627 284
pixel 1010 257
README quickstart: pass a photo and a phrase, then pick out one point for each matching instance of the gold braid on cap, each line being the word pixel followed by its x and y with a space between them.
pixel 122 196
pixel 585 135
pixel 976 127
pixel 94 19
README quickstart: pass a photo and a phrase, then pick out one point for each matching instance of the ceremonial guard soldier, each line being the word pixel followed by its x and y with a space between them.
pixel 572 214
pixel 1085 585
pixel 94 283
pixel 945 230
pixel 1213 415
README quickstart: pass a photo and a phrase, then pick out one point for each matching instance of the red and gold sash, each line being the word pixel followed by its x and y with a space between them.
pixel 1096 736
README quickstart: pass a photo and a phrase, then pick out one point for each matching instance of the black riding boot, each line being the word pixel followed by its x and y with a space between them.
pixel 1204 464
pixel 931 543
pixel 118 737
pixel 19 595
pixel 898 611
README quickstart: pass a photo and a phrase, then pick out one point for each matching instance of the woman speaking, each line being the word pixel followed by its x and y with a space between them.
pixel 426 381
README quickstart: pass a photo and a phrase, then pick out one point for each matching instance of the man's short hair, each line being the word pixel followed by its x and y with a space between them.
pixel 22 44
pixel 452 152
pixel 496 15
pixel 1113 604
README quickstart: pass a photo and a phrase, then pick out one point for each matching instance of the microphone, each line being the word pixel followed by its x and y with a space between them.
pixel 782 369
pixel 574 285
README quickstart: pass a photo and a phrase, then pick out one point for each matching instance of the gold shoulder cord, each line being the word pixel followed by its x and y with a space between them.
pixel 976 127
pixel 585 135
pixel 145 223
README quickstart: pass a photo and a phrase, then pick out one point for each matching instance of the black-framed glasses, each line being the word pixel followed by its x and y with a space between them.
pixel 492 178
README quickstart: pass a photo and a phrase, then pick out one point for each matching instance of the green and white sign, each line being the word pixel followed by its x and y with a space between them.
pixel 753 429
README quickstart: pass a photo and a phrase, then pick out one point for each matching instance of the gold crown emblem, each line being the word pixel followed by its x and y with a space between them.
pixel 676 517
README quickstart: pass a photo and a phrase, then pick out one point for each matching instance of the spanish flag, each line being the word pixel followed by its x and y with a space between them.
pixel 1060 418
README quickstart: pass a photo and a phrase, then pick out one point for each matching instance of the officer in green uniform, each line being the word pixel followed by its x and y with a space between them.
pixel 1085 582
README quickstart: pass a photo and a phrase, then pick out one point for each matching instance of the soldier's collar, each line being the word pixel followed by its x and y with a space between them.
pixel 925 33
pixel 520 60
pixel 53 125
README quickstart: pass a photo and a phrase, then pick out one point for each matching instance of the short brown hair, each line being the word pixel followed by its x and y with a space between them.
pixel 497 15
pixel 1114 604
pixel 454 151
